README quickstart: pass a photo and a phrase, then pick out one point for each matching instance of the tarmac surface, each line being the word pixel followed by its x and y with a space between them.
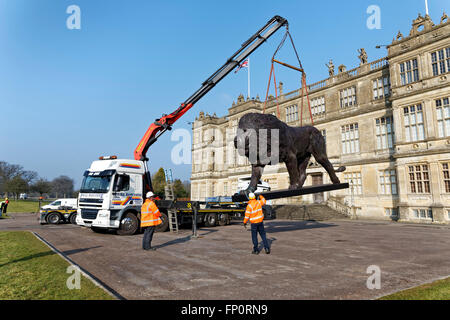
pixel 309 260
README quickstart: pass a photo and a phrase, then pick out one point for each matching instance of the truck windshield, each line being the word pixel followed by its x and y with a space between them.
pixel 96 184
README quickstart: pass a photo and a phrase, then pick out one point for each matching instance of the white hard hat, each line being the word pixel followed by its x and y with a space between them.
pixel 251 196
pixel 150 194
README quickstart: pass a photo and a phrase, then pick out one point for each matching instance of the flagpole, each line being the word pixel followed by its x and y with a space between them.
pixel 248 80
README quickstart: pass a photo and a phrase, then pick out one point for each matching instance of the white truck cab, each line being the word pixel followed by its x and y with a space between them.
pixel 111 195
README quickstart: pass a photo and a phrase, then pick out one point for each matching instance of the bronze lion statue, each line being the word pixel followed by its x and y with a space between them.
pixel 265 140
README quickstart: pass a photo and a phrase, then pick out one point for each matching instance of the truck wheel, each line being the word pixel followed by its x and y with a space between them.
pixel 73 218
pixel 223 219
pixel 54 218
pixel 128 225
pixel 164 225
pixel 211 220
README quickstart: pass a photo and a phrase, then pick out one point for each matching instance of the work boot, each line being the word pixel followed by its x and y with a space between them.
pixel 267 250
pixel 255 252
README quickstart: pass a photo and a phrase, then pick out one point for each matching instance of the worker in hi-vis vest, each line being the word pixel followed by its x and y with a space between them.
pixel 254 213
pixel 150 218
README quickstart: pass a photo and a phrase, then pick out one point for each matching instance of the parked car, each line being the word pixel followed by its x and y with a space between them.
pixel 23 196
pixel 59 211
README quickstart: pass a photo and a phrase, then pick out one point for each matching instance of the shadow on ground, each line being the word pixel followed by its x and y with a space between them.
pixel 285 226
pixel 33 256
pixel 69 252
pixel 185 239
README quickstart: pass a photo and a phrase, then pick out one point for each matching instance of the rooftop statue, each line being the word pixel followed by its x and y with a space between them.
pixel 330 66
pixel 362 56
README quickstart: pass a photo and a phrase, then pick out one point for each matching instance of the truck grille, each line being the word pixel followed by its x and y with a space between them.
pixel 90 214
pixel 91 200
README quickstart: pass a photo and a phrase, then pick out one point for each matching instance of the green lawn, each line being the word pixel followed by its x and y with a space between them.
pixel 438 290
pixel 30 270
pixel 31 206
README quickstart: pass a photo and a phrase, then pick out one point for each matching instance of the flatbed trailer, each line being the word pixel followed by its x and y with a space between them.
pixel 223 212
pixel 56 216
pixel 210 214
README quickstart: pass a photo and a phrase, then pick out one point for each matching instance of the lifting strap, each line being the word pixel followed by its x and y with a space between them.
pixel 304 87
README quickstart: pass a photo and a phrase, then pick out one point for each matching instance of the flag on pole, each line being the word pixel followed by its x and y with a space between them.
pixel 242 65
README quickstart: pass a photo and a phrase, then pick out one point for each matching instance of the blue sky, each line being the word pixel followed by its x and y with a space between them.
pixel 69 96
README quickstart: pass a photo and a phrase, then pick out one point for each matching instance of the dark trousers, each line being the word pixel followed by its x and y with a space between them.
pixel 4 207
pixel 148 236
pixel 259 228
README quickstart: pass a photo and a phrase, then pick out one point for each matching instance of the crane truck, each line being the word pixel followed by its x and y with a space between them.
pixel 113 189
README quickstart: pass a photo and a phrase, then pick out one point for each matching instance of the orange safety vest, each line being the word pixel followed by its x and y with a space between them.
pixel 254 211
pixel 150 215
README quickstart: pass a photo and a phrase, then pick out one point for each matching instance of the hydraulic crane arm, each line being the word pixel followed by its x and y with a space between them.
pixel 165 123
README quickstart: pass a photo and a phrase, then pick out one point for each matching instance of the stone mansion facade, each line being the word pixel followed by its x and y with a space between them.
pixel 387 121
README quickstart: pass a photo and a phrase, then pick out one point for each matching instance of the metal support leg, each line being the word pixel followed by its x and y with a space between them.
pixel 195 207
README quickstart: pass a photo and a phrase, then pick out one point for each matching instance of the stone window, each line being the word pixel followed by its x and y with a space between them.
pixel 213 189
pixel 422 213
pixel 292 113
pixel 225 188
pixel 381 87
pixel 414 127
pixel 318 106
pixel 384 130
pixel 446 175
pixel 443 117
pixel 448 214
pixel 355 182
pixel 348 97
pixel 419 178
pixel 388 182
pixel 196 137
pixel 197 161
pixel 350 138
pixel 440 61
pixel 202 194
pixel 409 72
pixel 391 212
pixel 212 163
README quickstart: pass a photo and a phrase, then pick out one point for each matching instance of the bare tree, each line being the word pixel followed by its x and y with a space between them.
pixel 41 186
pixel 63 185
pixel 29 176
pixel 9 171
